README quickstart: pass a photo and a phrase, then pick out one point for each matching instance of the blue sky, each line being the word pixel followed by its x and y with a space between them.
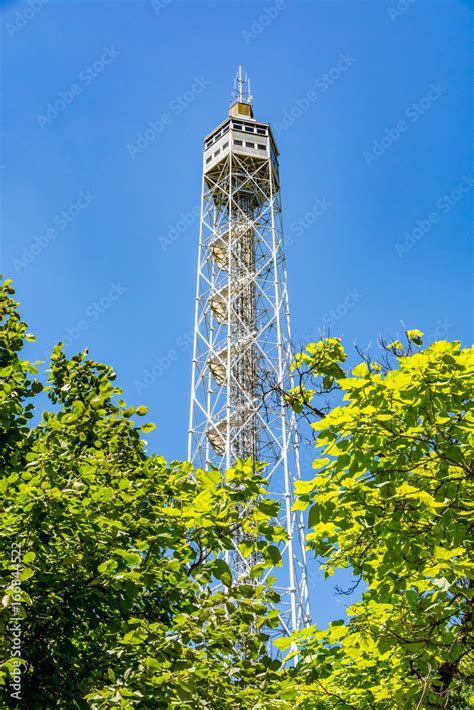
pixel 104 108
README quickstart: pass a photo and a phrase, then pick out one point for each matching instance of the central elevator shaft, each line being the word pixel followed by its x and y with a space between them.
pixel 244 369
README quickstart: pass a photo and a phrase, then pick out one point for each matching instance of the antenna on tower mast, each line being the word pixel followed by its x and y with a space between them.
pixel 241 92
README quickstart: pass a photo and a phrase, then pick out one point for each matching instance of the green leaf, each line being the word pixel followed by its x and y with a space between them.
pixel 274 554
pixel 282 643
pixel 415 336
pixel 146 428
pixel 320 463
pixel 134 637
pixel 78 406
pixel 203 502
pixel 153 663
pixel 269 507
pixel 107 566
pixel 360 370
pixel 304 487
pixel 221 571
pixel 313 515
pixel 131 559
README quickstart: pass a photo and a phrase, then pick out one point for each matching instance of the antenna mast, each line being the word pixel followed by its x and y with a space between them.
pixel 241 93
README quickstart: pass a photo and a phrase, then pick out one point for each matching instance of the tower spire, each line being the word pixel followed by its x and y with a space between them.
pixel 241 92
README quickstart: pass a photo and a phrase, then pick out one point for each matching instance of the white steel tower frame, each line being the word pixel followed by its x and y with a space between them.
pixel 242 333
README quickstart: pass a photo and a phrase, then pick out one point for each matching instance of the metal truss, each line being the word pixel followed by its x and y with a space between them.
pixel 241 344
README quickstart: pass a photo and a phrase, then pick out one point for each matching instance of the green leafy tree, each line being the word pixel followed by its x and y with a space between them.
pixel 124 597
pixel 392 499
pixel 124 601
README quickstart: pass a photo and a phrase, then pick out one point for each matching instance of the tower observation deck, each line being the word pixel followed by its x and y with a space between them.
pixel 242 333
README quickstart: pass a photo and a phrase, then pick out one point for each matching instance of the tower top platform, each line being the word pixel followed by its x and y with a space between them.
pixel 240 132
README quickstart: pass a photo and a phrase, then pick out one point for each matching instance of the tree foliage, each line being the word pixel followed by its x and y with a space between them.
pixel 124 602
pixel 392 500
pixel 123 591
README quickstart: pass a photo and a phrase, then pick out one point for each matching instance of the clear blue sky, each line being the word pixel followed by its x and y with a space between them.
pixel 370 106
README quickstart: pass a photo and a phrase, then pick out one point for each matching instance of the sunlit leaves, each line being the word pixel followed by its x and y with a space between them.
pixel 415 335
pixel 146 428
pixel 323 358
pixel 393 499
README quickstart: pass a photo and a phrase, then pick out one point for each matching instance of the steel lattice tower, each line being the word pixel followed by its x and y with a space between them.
pixel 242 332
